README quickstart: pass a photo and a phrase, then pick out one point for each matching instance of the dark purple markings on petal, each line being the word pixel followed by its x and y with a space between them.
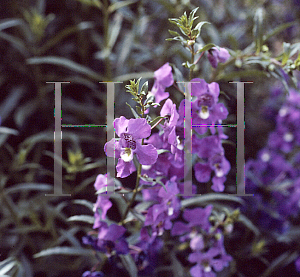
pixel 130 142
pixel 205 100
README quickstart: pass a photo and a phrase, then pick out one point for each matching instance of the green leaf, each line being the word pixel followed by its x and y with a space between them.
pixel 162 184
pixel 94 3
pixel 188 65
pixel 160 151
pixel 206 47
pixel 64 250
pixel 191 16
pixel 5 130
pixel 173 33
pixel 60 61
pixel 85 203
pixel 28 187
pixel 7 266
pixel 278 30
pixel 280 262
pixel 133 111
pixel 114 30
pixel 211 197
pixel 145 88
pixel 199 26
pixel 155 120
pixel 120 4
pixel 258 28
pixel 248 223
pixel 64 33
pixel 82 218
pixel 139 110
pixel 129 264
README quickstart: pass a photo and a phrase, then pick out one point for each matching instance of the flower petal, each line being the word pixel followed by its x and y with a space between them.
pixel 146 154
pixel 139 128
pixel 120 125
pixel 124 169
pixel 112 148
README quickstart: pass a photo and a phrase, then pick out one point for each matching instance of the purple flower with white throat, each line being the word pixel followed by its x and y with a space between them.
pixel 131 133
pixel 216 56
pixel 205 107
pixel 169 110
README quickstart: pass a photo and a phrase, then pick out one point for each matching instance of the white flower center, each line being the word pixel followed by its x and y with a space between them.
pixel 170 211
pixel 288 137
pixel 179 144
pixel 146 167
pixel 204 112
pixel 207 268
pixel 219 171
pixel 127 155
pixel 265 157
pixel 283 111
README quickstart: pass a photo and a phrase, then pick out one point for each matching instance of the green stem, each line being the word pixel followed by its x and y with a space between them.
pixel 135 191
pixel 192 61
pixel 108 72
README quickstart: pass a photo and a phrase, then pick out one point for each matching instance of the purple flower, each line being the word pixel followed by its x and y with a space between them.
pixel 159 216
pixel 131 133
pixel 197 217
pixel 211 152
pixel 205 108
pixel 215 258
pixel 163 79
pixel 103 204
pixel 111 238
pixel 216 56
pixel 92 274
pixel 169 109
pixel 297 264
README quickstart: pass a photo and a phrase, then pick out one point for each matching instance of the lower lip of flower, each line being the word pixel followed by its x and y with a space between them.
pixel 204 112
pixel 127 155
pixel 288 137
pixel 219 171
pixel 265 157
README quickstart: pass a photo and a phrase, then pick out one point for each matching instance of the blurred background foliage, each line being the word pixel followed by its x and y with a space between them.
pixel 85 42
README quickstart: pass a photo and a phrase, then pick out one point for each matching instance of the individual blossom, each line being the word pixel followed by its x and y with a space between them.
pixel 297 264
pixel 103 203
pixel 159 216
pixel 93 274
pixel 110 239
pixel 131 133
pixel 211 153
pixel 169 110
pixel 216 56
pixel 206 104
pixel 163 79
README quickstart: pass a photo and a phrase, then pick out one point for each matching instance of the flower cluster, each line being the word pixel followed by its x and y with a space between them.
pixel 206 242
pixel 274 177
pixel 155 148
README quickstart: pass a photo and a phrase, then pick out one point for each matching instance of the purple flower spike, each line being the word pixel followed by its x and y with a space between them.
pixel 131 133
pixel 163 79
pixel 216 56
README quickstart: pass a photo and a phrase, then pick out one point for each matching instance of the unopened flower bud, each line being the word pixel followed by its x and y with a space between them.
pixel 191 42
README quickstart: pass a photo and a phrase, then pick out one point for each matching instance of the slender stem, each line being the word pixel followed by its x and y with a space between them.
pixel 135 191
pixel 192 62
pixel 199 57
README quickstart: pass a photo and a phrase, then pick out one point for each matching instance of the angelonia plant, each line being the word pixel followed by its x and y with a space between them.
pixel 155 215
